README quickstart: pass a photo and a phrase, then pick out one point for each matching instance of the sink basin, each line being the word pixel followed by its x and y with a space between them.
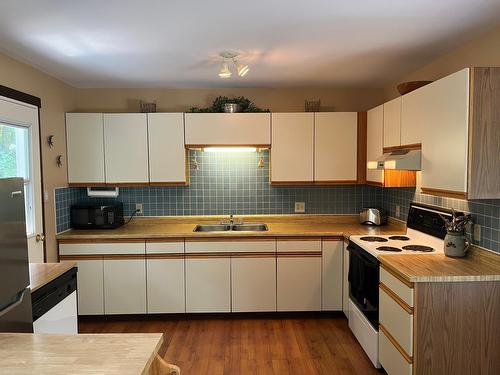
pixel 250 227
pixel 212 228
pixel 227 227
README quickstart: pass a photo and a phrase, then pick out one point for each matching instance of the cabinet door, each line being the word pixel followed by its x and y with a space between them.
pixel 126 147
pixel 90 287
pixel 292 148
pixel 228 129
pixel 85 146
pixel 125 286
pixel 331 287
pixel 335 147
pixel 415 116
pixel 167 155
pixel 299 283
pixel 444 145
pixel 253 282
pixel 374 143
pixel 165 285
pixel 208 284
pixel 392 123
pixel 345 282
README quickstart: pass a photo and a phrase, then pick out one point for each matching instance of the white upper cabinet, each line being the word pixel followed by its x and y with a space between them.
pixel 167 155
pixel 292 149
pixel 335 151
pixel 374 143
pixel 126 147
pixel 444 144
pixel 228 129
pixel 85 145
pixel 414 115
pixel 392 123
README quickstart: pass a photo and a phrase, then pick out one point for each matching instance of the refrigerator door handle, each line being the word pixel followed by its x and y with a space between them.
pixel 16 193
pixel 17 302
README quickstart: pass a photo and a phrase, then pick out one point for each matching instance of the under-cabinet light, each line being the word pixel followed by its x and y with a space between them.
pixel 230 149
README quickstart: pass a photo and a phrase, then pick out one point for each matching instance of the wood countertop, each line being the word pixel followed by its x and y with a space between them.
pixel 43 273
pixel 54 354
pixel 279 226
pixel 478 265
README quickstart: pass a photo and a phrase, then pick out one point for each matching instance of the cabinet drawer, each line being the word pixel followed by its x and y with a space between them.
pixel 102 248
pixel 174 247
pixel 391 359
pixel 396 320
pixel 299 245
pixel 230 246
pixel 398 287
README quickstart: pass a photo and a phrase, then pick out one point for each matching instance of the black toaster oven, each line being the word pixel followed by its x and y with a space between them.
pixel 96 216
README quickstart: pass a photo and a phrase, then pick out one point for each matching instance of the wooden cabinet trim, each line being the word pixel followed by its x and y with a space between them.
pixel 396 298
pixel 393 341
pixel 362 139
pixel 165 256
pixel 335 182
pixel 230 239
pixel 299 254
pixel 299 238
pixel 274 182
pixel 375 183
pixel 409 284
pixel 80 257
pixel 444 193
pixel 333 238
pixel 101 240
pixel 208 255
pixel 413 146
pixel 261 145
pixel 175 240
pixel 170 183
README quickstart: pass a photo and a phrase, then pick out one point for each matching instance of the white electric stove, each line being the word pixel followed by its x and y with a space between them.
pixel 424 235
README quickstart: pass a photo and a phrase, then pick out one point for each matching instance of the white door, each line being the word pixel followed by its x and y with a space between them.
pixel 20 157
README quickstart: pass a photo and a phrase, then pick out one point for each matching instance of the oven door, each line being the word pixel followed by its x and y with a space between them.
pixel 363 282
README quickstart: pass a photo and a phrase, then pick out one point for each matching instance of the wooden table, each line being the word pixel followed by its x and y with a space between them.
pixel 85 354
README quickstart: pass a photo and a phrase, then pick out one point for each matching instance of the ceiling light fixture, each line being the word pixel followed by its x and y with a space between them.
pixel 225 72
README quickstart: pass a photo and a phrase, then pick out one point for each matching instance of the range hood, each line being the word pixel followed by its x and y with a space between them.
pixel 409 160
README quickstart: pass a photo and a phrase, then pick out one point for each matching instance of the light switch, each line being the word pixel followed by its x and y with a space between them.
pixel 477 232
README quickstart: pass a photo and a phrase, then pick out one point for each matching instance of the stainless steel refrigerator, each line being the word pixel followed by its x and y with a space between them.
pixel 15 295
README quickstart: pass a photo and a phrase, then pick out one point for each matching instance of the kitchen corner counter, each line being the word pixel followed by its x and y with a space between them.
pixel 478 265
pixel 43 273
pixel 279 226
pixel 54 354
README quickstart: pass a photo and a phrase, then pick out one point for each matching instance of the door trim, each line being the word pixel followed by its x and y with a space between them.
pixel 20 96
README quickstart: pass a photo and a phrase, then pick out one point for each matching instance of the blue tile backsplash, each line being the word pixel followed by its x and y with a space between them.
pixel 233 183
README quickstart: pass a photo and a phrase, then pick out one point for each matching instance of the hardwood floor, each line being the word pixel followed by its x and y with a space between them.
pixel 222 345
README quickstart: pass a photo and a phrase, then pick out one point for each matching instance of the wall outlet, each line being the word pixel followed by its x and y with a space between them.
pixel 300 207
pixel 138 208
pixel 398 210
pixel 477 232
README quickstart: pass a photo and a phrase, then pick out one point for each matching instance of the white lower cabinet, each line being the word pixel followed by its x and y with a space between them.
pixel 391 359
pixel 208 284
pixel 90 284
pixel 345 281
pixel 165 285
pixel 331 262
pixel 299 283
pixel 124 286
pixel 253 284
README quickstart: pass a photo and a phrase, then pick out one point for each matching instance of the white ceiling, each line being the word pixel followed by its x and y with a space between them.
pixel 162 43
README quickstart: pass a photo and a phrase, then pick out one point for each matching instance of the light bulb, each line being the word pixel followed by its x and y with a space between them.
pixel 242 69
pixel 224 71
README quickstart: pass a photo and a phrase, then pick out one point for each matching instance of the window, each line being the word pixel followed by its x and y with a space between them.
pixel 15 161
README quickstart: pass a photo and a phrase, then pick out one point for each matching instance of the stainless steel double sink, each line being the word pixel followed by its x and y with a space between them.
pixel 229 227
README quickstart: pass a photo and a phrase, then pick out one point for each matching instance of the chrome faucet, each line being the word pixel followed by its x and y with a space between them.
pixel 231 221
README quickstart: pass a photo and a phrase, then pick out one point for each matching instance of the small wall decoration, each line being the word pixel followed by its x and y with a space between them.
pixel 219 105
pixel 147 107
pixel 51 141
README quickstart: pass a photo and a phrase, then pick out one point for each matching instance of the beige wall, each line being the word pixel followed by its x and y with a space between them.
pixel 482 51
pixel 57 98
pixel 275 99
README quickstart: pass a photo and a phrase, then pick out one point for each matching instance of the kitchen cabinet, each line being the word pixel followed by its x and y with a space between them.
pixel 332 274
pixel 374 143
pixel 165 277
pixel 335 147
pixel 85 147
pixel 253 283
pixel 299 274
pixel 292 150
pixel 228 129
pixel 208 284
pixel 125 286
pixel 126 148
pixel 166 152
pixel 345 281
pixel 392 123
pixel 90 286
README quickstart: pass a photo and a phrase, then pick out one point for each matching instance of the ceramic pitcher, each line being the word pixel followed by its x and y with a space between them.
pixel 455 244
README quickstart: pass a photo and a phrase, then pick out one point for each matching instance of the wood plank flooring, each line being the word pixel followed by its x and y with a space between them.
pixel 222 345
